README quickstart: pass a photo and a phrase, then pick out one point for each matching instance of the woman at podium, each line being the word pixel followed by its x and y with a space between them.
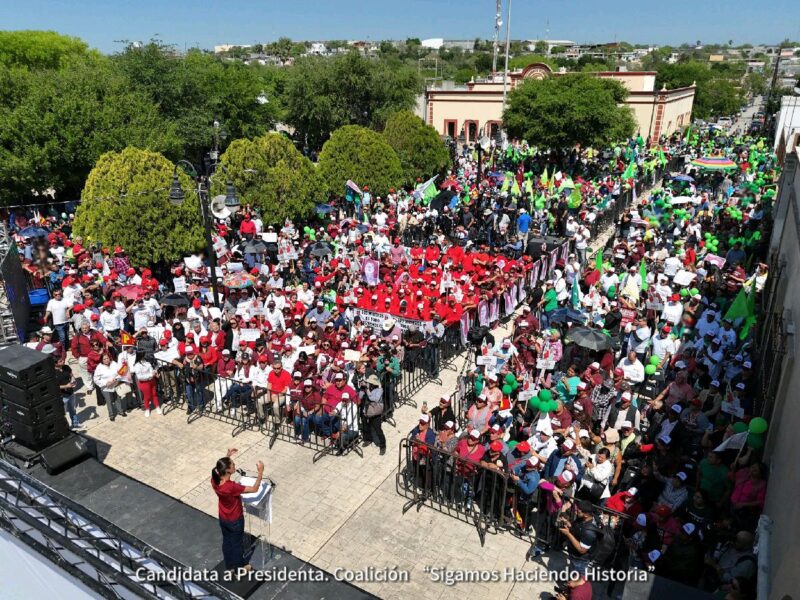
pixel 231 514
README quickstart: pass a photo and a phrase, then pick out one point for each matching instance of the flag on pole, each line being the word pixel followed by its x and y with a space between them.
pixel 576 294
pixel 544 179
pixel 735 442
pixel 643 274
pixel 744 307
pixel 126 339
pixel 425 191
pixel 599 261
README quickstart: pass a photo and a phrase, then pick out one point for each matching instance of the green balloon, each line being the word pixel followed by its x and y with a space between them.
pixel 684 292
pixel 758 425
pixel 755 441
pixel 739 427
pixel 506 389
pixel 510 378
pixel 545 395
pixel 534 403
pixel 650 370
pixel 514 385
pixel 512 444
pixel 478 387
pixel 655 361
pixel 694 291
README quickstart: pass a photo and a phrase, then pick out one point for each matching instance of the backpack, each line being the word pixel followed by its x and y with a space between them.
pixel 604 549
pixel 476 334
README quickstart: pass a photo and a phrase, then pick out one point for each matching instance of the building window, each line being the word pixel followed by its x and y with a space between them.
pixel 493 129
pixel 450 128
pixel 471 130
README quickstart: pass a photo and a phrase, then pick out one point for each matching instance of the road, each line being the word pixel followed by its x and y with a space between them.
pixel 743 120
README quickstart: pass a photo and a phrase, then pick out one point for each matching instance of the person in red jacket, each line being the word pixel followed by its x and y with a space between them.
pixel 279 381
pixel 247 229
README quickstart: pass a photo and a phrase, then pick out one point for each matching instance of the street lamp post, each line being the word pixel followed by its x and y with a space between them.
pixel 176 197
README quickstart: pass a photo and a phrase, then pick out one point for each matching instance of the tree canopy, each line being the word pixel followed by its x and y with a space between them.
pixel 270 174
pixel 38 49
pixel 559 112
pixel 360 154
pixel 323 94
pixel 60 122
pixel 421 151
pixel 145 212
pixel 717 93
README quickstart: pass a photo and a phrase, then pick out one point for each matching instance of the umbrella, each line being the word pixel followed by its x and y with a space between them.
pixel 714 163
pixel 567 315
pixel 33 232
pixel 238 280
pixel 255 247
pixel 441 200
pixel 175 300
pixel 592 339
pixel 320 249
pixel 683 178
pixel 323 209
pixel 131 292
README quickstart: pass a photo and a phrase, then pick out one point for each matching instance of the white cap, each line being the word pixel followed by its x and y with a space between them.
pixel 641 519
pixel 345 395
pixel 653 555
pixel 626 395
pixel 689 528
pixel 676 408
pixel 681 475
pixel 532 461
pixel 339 376
pixel 633 491
pixel 747 364
pixel 475 434
pixel 424 419
pixel 626 425
pixel 449 425
pixel 583 433
pixel 48 349
pixel 308 382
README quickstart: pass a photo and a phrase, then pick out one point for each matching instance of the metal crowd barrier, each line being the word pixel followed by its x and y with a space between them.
pixel 469 491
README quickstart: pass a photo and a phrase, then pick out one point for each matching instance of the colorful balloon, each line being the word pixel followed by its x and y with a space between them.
pixel 650 370
pixel 758 425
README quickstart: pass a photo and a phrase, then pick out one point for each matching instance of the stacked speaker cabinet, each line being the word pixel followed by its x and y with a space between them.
pixel 31 400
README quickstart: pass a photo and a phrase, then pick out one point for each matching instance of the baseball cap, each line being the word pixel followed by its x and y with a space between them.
pixel 626 425
pixel 681 475
pixel 653 555
pixel 496 446
pixel 676 408
pixel 532 461
pixel 424 419
pixel 475 434
pixel 524 447
pixel 689 528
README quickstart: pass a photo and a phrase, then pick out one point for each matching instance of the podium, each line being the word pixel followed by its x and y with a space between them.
pixel 258 516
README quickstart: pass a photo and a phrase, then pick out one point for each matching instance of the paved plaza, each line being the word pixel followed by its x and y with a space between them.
pixel 342 511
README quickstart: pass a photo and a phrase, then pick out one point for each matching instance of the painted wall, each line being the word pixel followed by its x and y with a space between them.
pixel 782 449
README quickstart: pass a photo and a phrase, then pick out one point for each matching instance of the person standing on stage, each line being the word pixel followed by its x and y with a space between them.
pixel 231 514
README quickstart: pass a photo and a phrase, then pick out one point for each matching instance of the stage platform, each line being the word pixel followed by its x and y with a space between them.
pixel 188 535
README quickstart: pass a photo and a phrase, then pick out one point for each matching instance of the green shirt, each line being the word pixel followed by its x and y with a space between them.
pixel 713 479
pixel 550 300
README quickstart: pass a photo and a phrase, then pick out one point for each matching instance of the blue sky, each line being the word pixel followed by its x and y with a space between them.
pixel 209 22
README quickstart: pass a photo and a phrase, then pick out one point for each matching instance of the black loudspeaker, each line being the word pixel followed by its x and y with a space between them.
pixel 64 454
pixel 42 433
pixel 23 367
pixel 43 392
pixel 29 414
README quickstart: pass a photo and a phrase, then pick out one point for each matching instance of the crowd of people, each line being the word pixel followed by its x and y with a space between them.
pixel 314 319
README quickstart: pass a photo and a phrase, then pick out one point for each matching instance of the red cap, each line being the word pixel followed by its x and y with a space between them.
pixel 524 447
pixel 107 304
pixel 95 317
pixel 118 250
pixel 196 303
pixel 496 446
pixel 646 448
pixel 163 342
pixel 675 297
pixel 131 271
pixel 167 334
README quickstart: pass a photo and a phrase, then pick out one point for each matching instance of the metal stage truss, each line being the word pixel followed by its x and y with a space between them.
pixel 96 552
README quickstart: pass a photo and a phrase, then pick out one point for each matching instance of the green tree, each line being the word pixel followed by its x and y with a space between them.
pixel 323 94
pixel 540 47
pixel 195 89
pixel 711 95
pixel 270 174
pixel 144 213
pixel 421 151
pixel 64 120
pixel 726 99
pixel 360 154
pixel 559 112
pixel 38 49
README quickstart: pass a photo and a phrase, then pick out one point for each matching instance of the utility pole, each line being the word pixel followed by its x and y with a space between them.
pixel 768 116
pixel 508 45
pixel 498 22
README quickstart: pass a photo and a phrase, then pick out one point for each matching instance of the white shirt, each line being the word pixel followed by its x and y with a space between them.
pixel 672 313
pixel 105 376
pixel 275 318
pixel 111 321
pixel 672 265
pixel 259 376
pixel 349 414
pixel 306 296
pixel 144 371
pixel 633 371
pixel 58 309
pixel 600 473
pixel 663 346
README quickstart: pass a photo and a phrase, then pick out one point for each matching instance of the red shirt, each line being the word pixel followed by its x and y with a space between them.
pixel 230 500
pixel 279 381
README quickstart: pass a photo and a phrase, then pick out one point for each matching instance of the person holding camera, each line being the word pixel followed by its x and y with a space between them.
pixel 580 535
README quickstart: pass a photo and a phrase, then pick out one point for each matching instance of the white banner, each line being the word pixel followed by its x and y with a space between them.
pixel 249 335
pixel 375 320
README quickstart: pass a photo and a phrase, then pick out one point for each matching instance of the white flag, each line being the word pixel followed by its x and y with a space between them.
pixel 735 442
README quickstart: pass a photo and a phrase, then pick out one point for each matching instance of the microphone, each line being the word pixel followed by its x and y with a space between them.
pixel 241 472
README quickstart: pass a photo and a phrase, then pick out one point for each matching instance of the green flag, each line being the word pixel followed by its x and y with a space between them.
pixel 630 171
pixel 543 179
pixel 643 274
pixel 576 293
pixel 599 261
